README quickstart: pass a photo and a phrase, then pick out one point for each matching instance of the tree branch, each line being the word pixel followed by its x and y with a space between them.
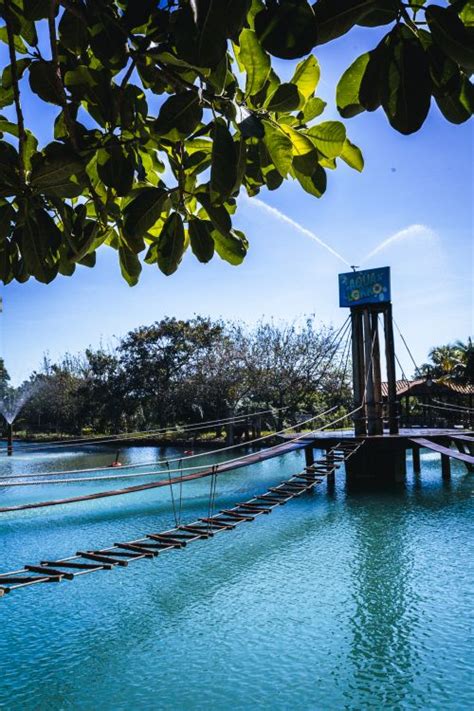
pixel 100 210
pixel 16 90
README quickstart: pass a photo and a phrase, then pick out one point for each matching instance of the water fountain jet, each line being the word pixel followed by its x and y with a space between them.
pixel 11 405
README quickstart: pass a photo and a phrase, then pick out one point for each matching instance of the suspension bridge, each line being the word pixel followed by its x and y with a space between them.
pixel 373 450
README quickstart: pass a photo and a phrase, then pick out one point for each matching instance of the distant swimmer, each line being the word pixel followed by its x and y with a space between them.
pixel 116 462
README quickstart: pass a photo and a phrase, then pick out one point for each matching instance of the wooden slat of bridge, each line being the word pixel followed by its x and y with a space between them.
pixel 441 449
pixel 463 438
pixel 151 545
pixel 245 461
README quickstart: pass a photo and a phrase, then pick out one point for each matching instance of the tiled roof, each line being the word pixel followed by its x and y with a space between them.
pixel 420 387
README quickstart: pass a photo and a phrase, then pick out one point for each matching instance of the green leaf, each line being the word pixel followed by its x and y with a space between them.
pixel 20 46
pixel 8 127
pixel 287 30
pixel 7 217
pixel 30 148
pixel 301 144
pixel 57 171
pixel 348 88
pixel 314 184
pixel 116 167
pixel 384 12
pixel 224 160
pixel 73 32
pixel 328 137
pixel 285 98
pixel 335 17
pixel 407 92
pixel 202 243
pixel 219 216
pixel 279 147
pixel 43 81
pixel 451 36
pixel 9 176
pixel 314 107
pixel 144 211
pixel 467 14
pixel 179 116
pixel 456 103
pixel 252 127
pixel 36 9
pixel 306 76
pixel 352 155
pixel 38 240
pixel 231 247
pixel 171 244
pixel 374 81
pixel 21 66
pixel 129 265
pixel 255 61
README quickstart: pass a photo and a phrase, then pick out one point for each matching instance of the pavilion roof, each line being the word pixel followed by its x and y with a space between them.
pixel 420 387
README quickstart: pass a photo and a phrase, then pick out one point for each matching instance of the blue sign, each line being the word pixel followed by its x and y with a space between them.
pixel 370 286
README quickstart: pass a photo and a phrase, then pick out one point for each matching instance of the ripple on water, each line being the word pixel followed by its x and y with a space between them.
pixel 346 602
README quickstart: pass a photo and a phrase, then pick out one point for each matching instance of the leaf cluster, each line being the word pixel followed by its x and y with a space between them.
pixel 166 110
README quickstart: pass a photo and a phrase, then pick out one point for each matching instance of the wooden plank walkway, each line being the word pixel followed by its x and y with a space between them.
pixel 446 451
pixel 151 545
pixel 244 461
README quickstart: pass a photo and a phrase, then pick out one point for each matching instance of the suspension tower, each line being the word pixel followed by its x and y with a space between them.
pixel 368 296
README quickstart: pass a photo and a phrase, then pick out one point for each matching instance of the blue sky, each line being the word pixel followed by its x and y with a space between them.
pixel 418 188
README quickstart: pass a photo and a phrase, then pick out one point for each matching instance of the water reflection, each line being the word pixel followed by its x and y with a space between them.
pixel 382 657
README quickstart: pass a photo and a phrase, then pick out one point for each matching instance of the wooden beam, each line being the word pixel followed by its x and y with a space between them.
pixel 49 571
pixel 445 466
pixel 393 417
pixel 100 558
pixel 416 460
pixel 358 370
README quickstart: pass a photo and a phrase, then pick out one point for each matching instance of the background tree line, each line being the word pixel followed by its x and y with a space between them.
pixel 175 372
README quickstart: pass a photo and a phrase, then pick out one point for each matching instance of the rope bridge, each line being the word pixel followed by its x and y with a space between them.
pixel 152 544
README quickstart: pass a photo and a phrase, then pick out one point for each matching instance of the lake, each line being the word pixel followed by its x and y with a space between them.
pixel 348 600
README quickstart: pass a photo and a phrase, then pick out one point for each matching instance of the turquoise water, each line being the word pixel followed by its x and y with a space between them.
pixel 334 601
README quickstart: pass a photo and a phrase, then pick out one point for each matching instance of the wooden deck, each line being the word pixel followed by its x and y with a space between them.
pixel 440 449
pixel 121 554
pixel 327 438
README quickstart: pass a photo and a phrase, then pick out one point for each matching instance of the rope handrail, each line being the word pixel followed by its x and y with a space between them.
pixel 454 410
pixel 457 407
pixel 24 447
pixel 176 480
pixel 166 462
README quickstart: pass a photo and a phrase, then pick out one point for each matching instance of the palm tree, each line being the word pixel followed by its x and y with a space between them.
pixel 451 362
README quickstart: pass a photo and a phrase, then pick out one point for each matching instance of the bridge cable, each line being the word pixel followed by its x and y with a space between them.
pixel 154 461
pixel 172 496
pixel 406 346
pixel 145 434
pixel 155 484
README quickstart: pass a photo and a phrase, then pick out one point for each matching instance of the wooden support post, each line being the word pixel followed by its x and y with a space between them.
pixel 416 460
pixel 369 376
pixel 393 423
pixel 230 432
pixel 331 477
pixel 309 455
pixel 445 466
pixel 358 370
pixel 374 338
